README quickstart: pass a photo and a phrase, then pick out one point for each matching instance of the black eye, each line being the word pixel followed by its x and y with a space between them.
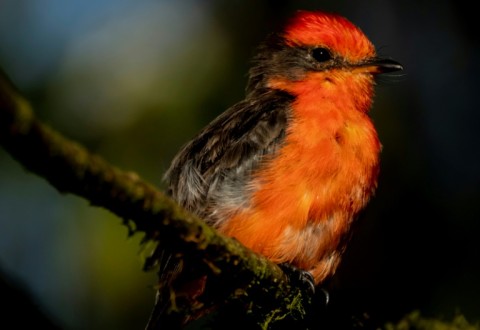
pixel 321 54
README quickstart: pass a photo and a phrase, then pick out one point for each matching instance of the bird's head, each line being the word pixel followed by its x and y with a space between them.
pixel 317 47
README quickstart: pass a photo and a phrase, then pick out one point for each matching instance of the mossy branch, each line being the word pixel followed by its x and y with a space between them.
pixel 69 167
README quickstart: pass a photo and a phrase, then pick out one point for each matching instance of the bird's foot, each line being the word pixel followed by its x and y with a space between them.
pixel 299 276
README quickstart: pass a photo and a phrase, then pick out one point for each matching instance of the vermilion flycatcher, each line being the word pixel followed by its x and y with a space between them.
pixel 286 170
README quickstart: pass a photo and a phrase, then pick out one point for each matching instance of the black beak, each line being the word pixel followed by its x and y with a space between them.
pixel 383 65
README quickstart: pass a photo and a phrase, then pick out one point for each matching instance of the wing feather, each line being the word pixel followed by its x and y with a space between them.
pixel 210 175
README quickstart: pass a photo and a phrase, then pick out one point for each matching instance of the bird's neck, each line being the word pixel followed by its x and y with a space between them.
pixel 333 104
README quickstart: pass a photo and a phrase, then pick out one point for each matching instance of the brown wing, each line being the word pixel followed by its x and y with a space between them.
pixel 211 173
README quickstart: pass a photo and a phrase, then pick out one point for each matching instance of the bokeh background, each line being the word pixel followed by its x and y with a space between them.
pixel 135 79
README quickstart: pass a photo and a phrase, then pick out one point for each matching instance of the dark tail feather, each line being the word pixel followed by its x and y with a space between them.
pixel 177 300
pixel 169 269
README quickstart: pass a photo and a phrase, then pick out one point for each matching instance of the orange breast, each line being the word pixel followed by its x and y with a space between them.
pixel 306 197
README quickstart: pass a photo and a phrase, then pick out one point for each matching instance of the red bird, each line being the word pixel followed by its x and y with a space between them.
pixel 287 170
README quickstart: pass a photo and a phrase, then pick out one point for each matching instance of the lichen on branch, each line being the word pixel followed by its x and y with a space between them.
pixel 70 168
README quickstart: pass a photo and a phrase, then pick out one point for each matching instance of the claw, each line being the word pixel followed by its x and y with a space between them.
pixel 327 296
pixel 307 279
pixel 300 276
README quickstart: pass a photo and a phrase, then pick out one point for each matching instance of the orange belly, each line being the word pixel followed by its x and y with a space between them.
pixel 305 199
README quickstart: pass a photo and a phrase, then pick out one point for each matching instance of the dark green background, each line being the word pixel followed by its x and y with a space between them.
pixel 134 80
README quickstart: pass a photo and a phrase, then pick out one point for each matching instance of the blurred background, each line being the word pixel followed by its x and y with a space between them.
pixel 133 80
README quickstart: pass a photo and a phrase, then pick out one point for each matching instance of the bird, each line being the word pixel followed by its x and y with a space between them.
pixel 287 170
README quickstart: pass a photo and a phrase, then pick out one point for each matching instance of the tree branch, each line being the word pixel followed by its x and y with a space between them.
pixel 69 167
